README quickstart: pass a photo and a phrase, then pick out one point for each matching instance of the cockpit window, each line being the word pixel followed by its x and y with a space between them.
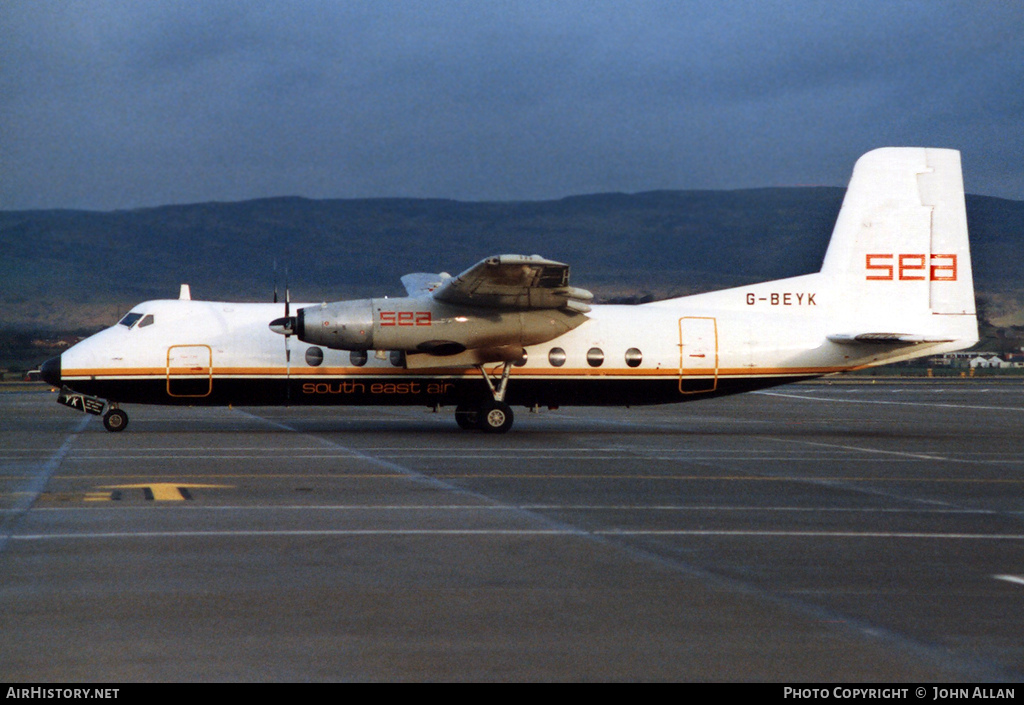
pixel 147 320
pixel 130 319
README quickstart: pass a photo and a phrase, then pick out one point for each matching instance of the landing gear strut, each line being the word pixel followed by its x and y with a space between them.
pixel 493 415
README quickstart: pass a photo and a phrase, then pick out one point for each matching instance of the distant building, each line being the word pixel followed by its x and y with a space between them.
pixel 956 359
pixel 977 360
pixel 992 362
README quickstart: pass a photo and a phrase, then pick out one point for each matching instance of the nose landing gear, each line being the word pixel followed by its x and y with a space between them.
pixel 115 420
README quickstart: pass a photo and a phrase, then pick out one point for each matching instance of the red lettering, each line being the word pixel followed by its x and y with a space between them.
pixel 887 268
pixel 912 266
pixel 950 268
pixel 405 318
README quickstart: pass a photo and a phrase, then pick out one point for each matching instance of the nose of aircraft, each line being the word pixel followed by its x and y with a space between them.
pixel 50 371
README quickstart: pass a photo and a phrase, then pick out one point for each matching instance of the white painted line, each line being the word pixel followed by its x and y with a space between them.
pixel 299 532
pixel 921 456
pixel 515 532
pixel 499 508
pixel 897 403
pixel 1010 579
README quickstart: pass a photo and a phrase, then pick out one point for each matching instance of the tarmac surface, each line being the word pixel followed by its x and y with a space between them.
pixel 811 533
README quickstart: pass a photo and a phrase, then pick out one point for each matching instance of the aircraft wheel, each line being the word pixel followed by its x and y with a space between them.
pixel 467 417
pixel 115 420
pixel 495 417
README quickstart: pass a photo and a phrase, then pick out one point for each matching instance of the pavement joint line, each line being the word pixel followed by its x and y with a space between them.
pixel 37 483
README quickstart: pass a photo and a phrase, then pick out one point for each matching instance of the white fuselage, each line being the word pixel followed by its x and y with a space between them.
pixel 199 352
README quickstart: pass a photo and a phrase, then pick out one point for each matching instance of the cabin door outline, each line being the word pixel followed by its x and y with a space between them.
pixel 189 371
pixel 698 354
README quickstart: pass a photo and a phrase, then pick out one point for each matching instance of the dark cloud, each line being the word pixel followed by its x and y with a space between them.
pixel 112 104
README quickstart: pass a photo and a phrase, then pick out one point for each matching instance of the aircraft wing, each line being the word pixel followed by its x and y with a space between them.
pixel 515 282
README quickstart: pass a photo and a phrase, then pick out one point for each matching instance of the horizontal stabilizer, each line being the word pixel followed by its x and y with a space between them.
pixel 422 283
pixel 887 338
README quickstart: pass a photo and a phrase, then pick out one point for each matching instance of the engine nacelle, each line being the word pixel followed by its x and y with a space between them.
pixel 421 325
pixel 342 325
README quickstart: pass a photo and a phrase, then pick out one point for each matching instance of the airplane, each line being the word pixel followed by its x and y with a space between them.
pixel 895 284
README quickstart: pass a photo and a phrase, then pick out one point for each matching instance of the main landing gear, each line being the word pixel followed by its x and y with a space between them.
pixel 492 415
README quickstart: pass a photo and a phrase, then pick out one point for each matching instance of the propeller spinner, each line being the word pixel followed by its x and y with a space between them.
pixel 285 325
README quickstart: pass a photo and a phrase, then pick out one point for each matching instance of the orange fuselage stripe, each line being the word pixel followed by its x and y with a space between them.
pixel 435 372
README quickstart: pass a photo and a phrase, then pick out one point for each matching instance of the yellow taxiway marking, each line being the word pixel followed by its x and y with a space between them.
pixel 164 491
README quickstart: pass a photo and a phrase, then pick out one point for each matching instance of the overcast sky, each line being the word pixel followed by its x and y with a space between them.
pixel 107 105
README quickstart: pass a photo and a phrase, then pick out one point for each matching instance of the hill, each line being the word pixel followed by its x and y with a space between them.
pixel 66 270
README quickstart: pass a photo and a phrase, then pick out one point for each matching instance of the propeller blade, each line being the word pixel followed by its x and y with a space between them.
pixel 275 281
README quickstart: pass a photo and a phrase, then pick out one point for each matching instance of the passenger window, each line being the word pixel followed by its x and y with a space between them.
pixel 595 357
pixel 634 357
pixel 147 320
pixel 556 357
pixel 357 357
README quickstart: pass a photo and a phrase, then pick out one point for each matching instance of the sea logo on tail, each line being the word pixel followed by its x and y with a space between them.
pixel 910 267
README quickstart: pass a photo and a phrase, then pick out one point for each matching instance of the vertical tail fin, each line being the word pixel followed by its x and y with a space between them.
pixel 899 262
